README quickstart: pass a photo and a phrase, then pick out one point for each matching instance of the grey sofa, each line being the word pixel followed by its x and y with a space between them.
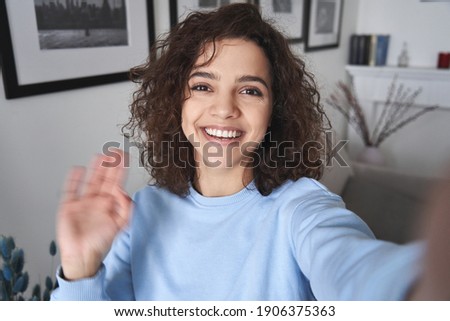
pixel 389 202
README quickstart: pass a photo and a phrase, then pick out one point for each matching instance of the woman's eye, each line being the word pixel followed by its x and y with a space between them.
pixel 200 88
pixel 252 92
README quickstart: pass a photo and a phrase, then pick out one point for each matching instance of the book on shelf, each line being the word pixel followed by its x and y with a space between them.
pixel 368 49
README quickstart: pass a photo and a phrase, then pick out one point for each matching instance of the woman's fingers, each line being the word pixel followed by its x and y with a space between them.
pixel 106 171
pixel 124 206
pixel 107 179
pixel 114 172
pixel 97 176
pixel 73 183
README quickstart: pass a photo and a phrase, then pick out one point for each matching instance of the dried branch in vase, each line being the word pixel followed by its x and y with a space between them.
pixel 396 112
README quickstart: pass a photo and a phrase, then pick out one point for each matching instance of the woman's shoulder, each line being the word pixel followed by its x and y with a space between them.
pixel 306 194
pixel 310 203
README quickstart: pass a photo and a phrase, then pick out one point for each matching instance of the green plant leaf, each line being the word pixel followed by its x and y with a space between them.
pixel 17 260
pixel 48 283
pixel 3 294
pixel 5 248
pixel 46 296
pixel 2 245
pixel 21 284
pixel 36 294
pixel 53 248
pixel 10 243
pixel 7 273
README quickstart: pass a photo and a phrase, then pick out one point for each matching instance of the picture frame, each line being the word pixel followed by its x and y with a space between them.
pixel 179 9
pixel 323 19
pixel 30 68
pixel 287 15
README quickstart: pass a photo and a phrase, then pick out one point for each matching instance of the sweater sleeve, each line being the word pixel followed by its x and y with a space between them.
pixel 340 256
pixel 88 289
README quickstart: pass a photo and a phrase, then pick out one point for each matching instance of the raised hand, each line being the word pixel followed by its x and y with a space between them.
pixel 92 211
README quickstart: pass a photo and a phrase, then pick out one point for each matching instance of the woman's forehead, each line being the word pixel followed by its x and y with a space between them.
pixel 237 52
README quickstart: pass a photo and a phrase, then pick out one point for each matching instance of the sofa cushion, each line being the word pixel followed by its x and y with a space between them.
pixel 335 176
pixel 391 215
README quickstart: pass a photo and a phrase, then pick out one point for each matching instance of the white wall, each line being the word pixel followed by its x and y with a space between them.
pixel 328 65
pixel 41 137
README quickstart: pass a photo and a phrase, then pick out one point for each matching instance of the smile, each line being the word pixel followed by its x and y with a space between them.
pixel 218 133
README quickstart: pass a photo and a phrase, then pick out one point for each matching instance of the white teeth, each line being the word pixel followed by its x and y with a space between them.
pixel 223 133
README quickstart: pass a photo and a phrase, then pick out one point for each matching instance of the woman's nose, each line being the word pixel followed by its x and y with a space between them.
pixel 225 106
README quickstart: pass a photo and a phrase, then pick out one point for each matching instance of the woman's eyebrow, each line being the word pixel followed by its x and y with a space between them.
pixel 204 74
pixel 249 78
pixel 244 78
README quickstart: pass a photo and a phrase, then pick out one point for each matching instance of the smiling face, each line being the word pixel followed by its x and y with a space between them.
pixel 229 103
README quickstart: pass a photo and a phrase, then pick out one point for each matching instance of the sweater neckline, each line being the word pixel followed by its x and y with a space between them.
pixel 243 194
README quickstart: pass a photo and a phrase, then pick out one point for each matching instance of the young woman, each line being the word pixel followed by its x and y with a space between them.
pixel 232 132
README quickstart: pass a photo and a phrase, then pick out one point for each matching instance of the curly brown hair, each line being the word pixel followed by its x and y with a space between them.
pixel 155 121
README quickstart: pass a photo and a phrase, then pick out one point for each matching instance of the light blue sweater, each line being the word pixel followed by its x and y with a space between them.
pixel 298 243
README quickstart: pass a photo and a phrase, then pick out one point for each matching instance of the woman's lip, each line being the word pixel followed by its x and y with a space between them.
pixel 228 128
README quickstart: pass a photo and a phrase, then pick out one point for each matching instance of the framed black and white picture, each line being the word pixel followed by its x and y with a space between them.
pixel 179 9
pixel 323 24
pixel 287 16
pixel 53 45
